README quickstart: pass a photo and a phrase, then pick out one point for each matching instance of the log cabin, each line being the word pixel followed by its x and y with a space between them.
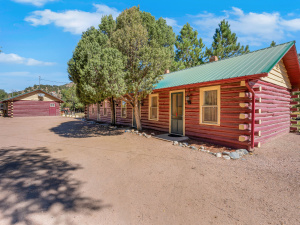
pixel 239 102
pixel 33 103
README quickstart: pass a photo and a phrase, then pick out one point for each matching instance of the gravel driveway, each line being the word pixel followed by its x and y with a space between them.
pixel 65 171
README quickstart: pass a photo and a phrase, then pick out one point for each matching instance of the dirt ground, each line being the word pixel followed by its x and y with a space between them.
pixel 65 171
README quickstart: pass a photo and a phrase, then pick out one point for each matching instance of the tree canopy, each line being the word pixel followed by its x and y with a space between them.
pixel 71 100
pixel 122 59
pixel 273 43
pixel 189 49
pixel 225 43
pixel 3 94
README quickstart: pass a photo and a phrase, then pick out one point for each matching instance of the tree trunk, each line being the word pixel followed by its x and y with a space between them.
pixel 113 111
pixel 137 114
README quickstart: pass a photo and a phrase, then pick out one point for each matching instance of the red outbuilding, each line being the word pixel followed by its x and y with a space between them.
pixel 33 103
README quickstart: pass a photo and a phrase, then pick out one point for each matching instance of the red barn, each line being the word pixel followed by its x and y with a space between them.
pixel 239 102
pixel 33 103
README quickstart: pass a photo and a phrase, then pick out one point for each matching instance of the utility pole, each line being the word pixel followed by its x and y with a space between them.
pixel 12 92
pixel 39 82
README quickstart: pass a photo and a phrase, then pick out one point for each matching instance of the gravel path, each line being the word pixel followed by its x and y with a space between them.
pixel 65 171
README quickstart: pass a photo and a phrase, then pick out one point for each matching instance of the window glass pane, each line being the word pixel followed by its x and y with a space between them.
pixel 210 97
pixel 154 101
pixel 123 104
pixel 210 114
pixel 123 112
pixel 174 105
pixel 180 100
pixel 153 113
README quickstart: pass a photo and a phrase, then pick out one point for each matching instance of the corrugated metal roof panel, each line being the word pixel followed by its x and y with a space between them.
pixel 257 62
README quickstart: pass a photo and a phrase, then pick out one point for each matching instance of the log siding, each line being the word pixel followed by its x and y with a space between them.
pixel 274 110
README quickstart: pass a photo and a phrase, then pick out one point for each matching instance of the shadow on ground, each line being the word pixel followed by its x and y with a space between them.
pixel 32 182
pixel 79 129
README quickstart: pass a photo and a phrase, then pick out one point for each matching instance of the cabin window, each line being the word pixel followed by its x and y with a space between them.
pixel 93 111
pixel 210 105
pixel 105 106
pixel 52 104
pixel 123 109
pixel 153 107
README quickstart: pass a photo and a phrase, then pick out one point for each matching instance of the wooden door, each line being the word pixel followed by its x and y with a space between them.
pixel 177 113
pixel 52 109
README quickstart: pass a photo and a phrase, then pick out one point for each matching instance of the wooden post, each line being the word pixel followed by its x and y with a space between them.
pixel 294 122
pixel 12 110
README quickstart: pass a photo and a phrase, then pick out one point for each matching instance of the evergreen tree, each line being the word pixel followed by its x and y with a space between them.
pixel 225 43
pixel 107 25
pixel 71 100
pixel 123 59
pixel 3 94
pixel 273 44
pixel 147 44
pixel 189 49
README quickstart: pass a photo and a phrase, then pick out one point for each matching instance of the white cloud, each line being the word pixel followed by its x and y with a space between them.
pixel 74 21
pixel 251 28
pixel 171 22
pixel 16 59
pixel 34 2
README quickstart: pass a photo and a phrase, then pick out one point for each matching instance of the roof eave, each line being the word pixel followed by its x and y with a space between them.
pixel 215 82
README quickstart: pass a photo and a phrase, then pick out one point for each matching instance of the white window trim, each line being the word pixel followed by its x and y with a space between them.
pixel 201 96
pixel 149 107
pixel 122 108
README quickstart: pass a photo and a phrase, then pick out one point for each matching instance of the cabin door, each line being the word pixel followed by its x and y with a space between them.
pixel 52 109
pixel 177 113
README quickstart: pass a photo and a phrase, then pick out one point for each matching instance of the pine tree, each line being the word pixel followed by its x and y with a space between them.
pixel 225 43
pixel 273 43
pixel 189 49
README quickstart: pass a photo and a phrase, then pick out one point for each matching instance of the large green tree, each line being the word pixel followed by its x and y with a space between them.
pixel 96 67
pixel 189 49
pixel 122 59
pixel 225 43
pixel 147 44
pixel 88 84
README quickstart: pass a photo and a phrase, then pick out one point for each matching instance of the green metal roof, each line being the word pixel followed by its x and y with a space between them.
pixel 257 62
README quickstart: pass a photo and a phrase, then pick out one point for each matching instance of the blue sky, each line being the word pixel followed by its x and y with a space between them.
pixel 38 36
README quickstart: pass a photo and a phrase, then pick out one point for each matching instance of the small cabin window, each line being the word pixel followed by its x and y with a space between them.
pixel 105 106
pixel 210 105
pixel 153 107
pixel 123 109
pixel 93 110
pixel 52 104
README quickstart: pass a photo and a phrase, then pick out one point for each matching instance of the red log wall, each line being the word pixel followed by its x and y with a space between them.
pixel 272 117
pixel 24 108
pixel 274 108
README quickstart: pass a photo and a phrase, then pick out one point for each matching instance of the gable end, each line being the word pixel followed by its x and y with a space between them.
pixel 278 76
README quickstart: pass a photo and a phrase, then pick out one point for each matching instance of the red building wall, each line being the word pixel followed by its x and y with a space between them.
pixel 26 108
pixel 274 104
pixel 273 119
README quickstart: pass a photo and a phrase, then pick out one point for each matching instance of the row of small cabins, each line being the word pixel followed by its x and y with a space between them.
pixel 240 102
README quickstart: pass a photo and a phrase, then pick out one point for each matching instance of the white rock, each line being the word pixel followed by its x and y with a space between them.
pixel 226 157
pixel 219 154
